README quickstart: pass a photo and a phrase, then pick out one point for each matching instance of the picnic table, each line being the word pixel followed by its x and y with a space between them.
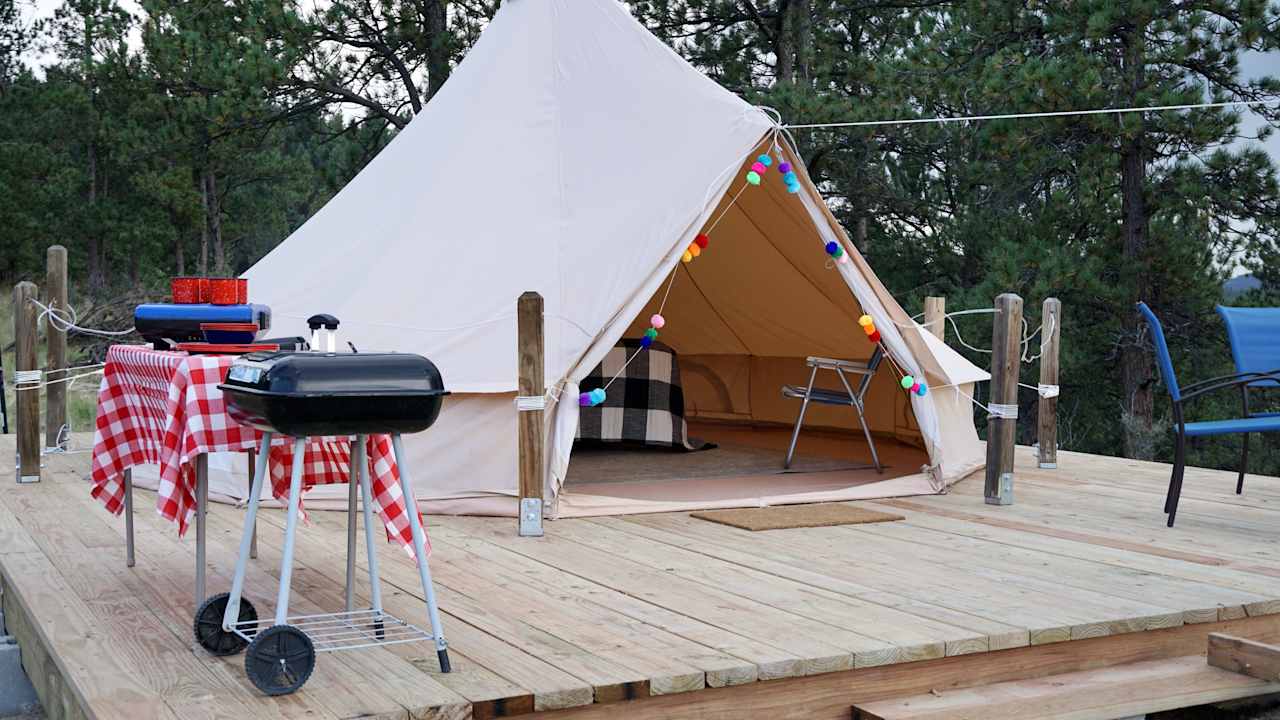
pixel 165 408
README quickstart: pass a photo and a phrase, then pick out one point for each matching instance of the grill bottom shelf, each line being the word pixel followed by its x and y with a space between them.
pixel 352 630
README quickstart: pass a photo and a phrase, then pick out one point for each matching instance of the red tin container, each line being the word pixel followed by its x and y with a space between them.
pixel 189 290
pixel 242 291
pixel 224 291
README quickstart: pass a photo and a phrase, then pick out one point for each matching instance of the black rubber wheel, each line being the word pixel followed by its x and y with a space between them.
pixel 280 659
pixel 208 625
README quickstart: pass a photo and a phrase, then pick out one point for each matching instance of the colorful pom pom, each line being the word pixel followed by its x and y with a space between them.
pixel 584 399
pixel 759 168
pixel 784 168
pixel 686 257
pixel 791 178
pixel 907 381
pixel 843 259
pixel 702 241
pixel 651 333
pixel 874 337
pixel 866 320
pixel 657 321
pixel 597 396
pixel 646 341
pixel 765 160
pixel 868 329
pixel 922 391
pixel 915 386
pixel 753 177
pixel 793 189
pixel 694 249
pixel 834 249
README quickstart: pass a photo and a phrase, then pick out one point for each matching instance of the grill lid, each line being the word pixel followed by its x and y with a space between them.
pixel 335 374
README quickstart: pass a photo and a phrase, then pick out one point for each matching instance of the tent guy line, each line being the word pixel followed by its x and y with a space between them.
pixel 1018 116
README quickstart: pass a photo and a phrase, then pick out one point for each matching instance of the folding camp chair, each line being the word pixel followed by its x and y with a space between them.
pixel 1184 429
pixel 850 397
pixel 1254 334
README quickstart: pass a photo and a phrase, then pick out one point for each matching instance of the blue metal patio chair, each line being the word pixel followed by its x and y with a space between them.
pixel 1254 334
pixel 1184 429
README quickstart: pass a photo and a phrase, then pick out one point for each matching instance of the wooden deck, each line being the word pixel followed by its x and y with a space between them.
pixel 669 615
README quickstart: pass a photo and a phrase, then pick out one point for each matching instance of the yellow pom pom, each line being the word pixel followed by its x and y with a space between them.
pixel 694 249
pixel 865 320
pixel 687 256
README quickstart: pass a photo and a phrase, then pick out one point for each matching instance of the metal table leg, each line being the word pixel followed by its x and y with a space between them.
pixel 366 498
pixel 128 517
pixel 202 507
pixel 231 615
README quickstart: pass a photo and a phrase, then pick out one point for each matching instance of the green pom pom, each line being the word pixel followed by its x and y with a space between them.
pixel 907 382
pixel 651 333
pixel 753 177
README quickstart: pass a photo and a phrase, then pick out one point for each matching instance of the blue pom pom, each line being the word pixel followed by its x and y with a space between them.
pixel 833 247
pixel 793 189
pixel 645 341
pixel 597 396
pixel 791 178
pixel 765 160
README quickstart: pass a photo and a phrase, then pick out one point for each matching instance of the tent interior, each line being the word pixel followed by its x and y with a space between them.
pixel 741 319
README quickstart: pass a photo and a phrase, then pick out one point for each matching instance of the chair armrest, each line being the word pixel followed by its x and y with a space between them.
pixel 853 366
pixel 1227 381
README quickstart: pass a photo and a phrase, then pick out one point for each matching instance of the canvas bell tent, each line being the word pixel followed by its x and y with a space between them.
pixel 574 154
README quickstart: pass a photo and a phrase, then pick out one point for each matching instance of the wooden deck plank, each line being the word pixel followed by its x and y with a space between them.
pixel 1120 691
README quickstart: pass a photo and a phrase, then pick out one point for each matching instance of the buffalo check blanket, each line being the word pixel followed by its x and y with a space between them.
pixel 644 405
pixel 165 408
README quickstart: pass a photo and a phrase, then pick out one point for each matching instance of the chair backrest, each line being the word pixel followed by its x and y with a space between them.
pixel 873 362
pixel 1254 334
pixel 1162 352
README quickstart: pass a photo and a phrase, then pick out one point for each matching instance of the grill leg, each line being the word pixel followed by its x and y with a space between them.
pixel 420 550
pixel 353 486
pixel 366 499
pixel 128 518
pixel 232 613
pixel 253 546
pixel 290 530
pixel 795 434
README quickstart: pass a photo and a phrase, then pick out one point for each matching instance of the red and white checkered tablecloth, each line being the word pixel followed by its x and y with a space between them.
pixel 165 408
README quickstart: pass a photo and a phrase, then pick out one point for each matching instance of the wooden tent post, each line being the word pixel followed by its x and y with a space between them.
pixel 27 384
pixel 935 316
pixel 1002 425
pixel 529 415
pixel 1050 333
pixel 55 416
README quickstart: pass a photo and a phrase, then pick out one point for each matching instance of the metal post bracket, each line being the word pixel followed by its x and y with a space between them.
pixel 530 517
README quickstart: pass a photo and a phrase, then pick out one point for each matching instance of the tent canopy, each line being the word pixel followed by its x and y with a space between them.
pixel 574 154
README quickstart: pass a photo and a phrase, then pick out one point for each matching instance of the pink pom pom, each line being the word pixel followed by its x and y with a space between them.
pixel 657 321
pixel 759 167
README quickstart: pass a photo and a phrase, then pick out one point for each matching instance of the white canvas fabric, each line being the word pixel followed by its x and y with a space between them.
pixel 574 154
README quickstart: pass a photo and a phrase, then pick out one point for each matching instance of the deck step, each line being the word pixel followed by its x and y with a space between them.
pixel 1118 691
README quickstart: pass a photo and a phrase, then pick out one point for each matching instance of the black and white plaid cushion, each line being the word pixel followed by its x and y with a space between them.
pixel 644 405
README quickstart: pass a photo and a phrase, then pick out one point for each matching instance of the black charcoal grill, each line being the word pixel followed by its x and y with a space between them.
pixel 309 393
pixel 303 394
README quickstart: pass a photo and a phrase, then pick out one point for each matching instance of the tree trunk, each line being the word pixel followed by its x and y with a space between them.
pixel 179 259
pixel 1135 360
pixel 794 46
pixel 214 219
pixel 94 249
pixel 204 225
pixel 436 18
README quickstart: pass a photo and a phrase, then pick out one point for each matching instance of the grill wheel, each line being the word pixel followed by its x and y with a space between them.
pixel 280 659
pixel 208 625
